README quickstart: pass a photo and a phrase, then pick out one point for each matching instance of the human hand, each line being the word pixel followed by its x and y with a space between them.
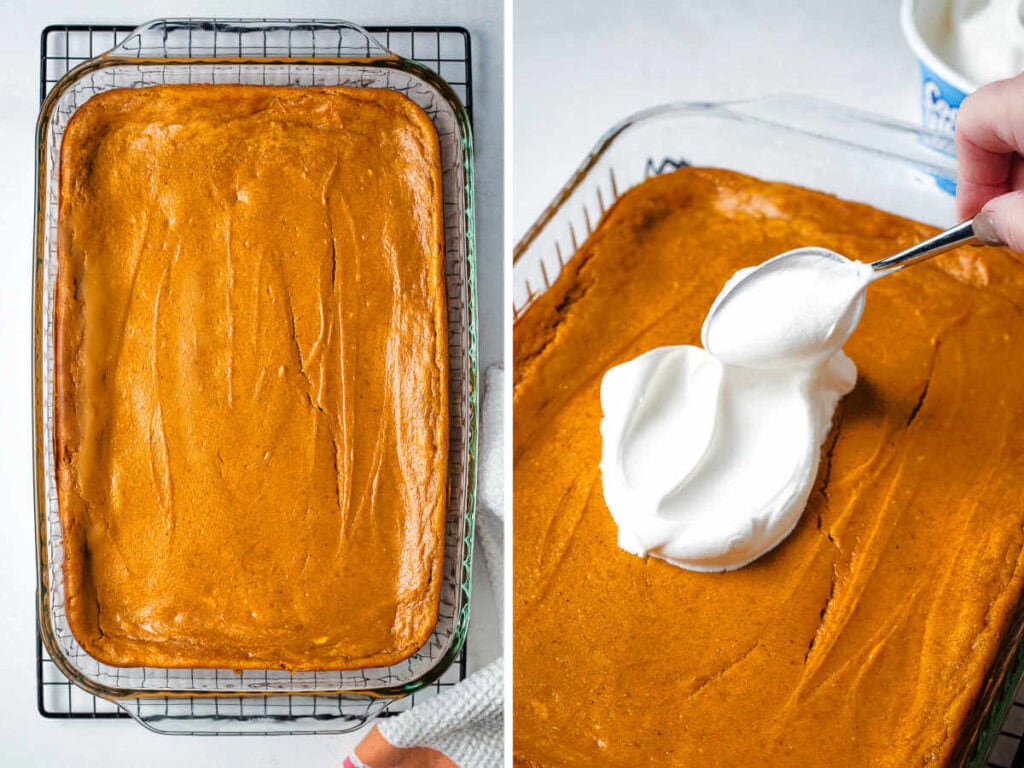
pixel 990 152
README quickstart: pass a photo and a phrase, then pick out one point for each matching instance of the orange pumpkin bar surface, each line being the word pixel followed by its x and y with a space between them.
pixel 251 377
pixel 868 636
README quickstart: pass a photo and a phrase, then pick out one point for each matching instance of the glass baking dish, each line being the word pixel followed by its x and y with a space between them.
pixel 815 144
pixel 296 54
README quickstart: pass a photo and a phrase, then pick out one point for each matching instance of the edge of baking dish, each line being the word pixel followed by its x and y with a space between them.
pixel 853 154
pixel 223 51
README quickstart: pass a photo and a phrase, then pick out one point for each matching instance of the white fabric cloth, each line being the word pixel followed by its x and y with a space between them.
pixel 490 508
pixel 466 721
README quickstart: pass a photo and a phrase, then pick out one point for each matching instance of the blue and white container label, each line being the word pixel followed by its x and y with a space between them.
pixel 940 103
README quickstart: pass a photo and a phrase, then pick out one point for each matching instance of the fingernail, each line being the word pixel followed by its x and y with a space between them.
pixel 985 229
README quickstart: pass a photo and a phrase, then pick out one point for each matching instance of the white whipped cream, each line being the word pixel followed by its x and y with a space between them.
pixel 984 39
pixel 709 455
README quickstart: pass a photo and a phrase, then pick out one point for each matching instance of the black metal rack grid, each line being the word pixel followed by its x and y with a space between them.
pixel 1008 749
pixel 445 50
pixel 58 698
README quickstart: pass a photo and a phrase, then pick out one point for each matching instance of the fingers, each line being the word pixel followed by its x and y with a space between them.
pixel 1001 221
pixel 989 136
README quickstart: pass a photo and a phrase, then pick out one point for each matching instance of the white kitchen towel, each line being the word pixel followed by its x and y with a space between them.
pixel 464 725
pixel 490 484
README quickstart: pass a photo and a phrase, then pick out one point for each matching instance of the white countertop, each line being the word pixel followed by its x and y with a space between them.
pixel 580 67
pixel 26 739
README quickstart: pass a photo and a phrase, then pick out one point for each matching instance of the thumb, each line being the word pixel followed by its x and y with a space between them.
pixel 1001 221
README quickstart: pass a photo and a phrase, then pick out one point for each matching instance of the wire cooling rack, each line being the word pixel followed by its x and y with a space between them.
pixel 444 49
pixel 1008 751
pixel 58 698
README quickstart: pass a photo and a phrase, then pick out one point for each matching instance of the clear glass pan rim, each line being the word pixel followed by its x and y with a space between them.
pixel 463 588
pixel 763 110
pixel 892 141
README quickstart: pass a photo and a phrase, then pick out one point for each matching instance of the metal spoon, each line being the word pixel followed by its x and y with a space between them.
pixel 846 316
pixel 961 234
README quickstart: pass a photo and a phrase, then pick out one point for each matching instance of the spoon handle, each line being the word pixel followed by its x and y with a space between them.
pixel 933 246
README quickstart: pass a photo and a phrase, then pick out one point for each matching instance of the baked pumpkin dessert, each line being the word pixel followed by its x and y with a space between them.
pixel 251 377
pixel 869 635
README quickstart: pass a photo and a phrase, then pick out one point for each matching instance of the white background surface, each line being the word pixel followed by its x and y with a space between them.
pixel 26 739
pixel 581 66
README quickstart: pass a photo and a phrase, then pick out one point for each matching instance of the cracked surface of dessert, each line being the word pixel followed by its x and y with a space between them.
pixel 866 637
pixel 251 377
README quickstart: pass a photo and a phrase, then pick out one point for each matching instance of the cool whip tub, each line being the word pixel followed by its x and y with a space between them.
pixel 960 45
pixel 928 26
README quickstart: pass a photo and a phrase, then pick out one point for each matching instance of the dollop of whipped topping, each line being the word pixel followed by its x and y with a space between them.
pixel 709 455
pixel 983 39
